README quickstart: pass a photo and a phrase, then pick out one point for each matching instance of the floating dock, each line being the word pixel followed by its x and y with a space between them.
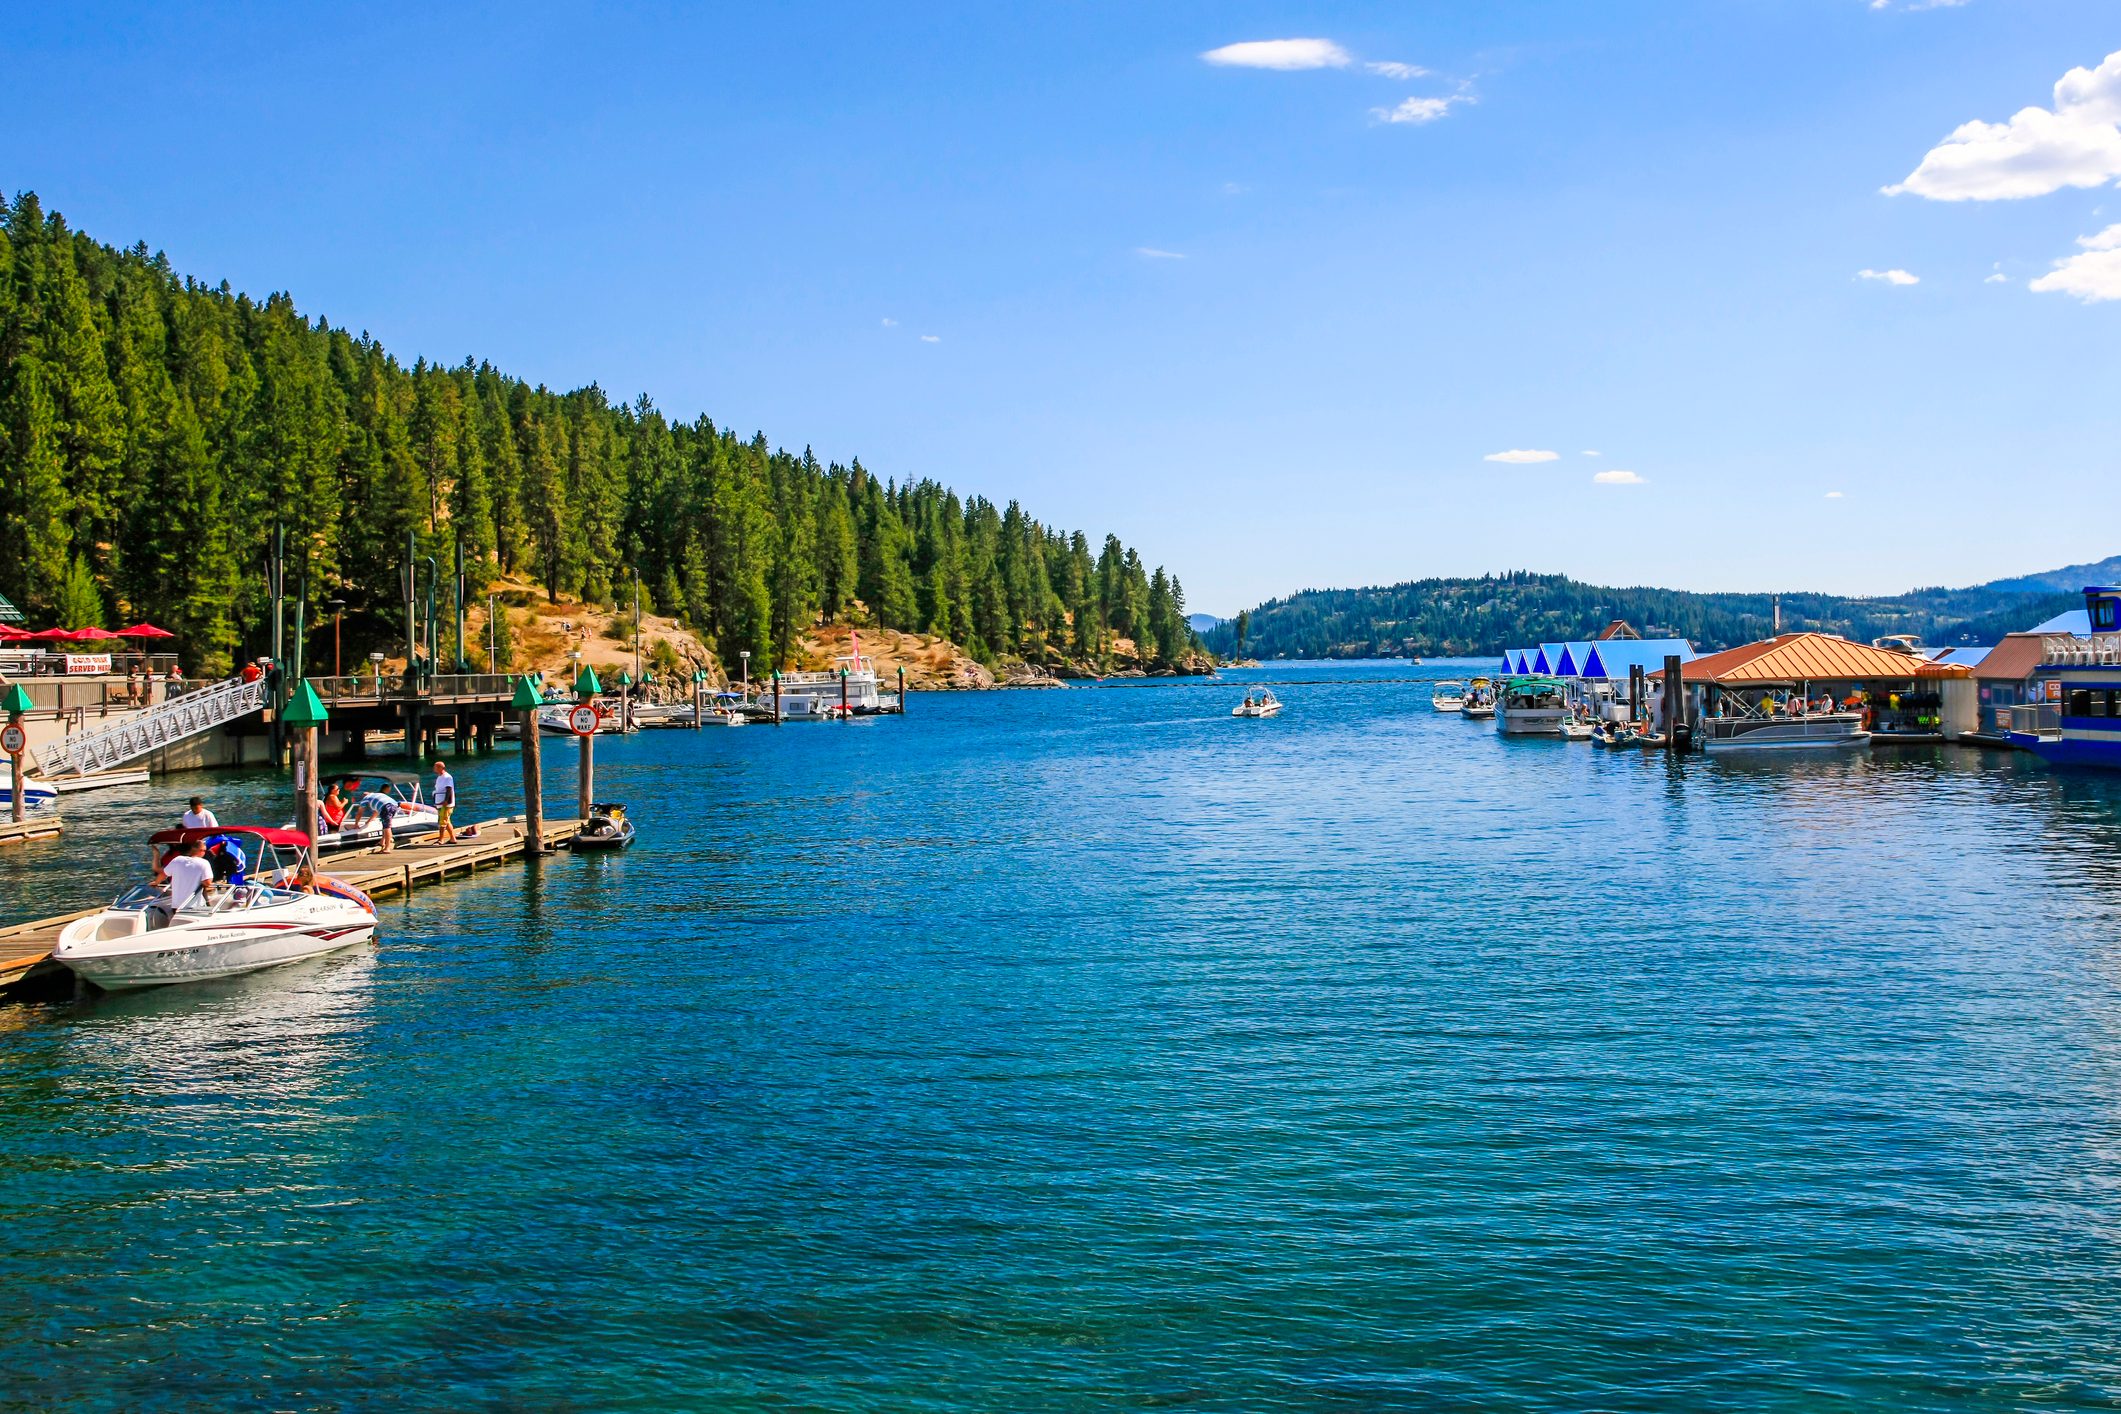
pixel 26 947
pixel 36 827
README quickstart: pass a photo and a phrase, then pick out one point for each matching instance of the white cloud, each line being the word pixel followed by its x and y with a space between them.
pixel 1833 495
pixel 1890 277
pixel 1618 478
pixel 890 323
pixel 1999 278
pixel 1594 454
pixel 2092 276
pixel 2076 144
pixel 931 338
pixel 1235 188
pixel 1150 252
pixel 1397 71
pixel 1419 110
pixel 1283 54
pixel 1517 457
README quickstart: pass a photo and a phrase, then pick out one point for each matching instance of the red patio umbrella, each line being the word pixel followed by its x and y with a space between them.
pixel 49 635
pixel 144 631
pixel 10 634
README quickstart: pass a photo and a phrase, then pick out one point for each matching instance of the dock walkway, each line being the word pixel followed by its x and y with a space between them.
pixel 26 946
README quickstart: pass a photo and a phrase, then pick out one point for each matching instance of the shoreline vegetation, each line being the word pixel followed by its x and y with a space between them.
pixel 154 430
pixel 1479 617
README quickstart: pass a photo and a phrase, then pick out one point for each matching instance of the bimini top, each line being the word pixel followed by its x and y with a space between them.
pixel 1797 658
pixel 267 833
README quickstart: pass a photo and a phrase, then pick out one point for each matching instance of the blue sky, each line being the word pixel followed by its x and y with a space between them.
pixel 1233 312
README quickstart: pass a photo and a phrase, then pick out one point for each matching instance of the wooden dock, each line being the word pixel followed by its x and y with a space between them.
pixel 24 947
pixel 36 827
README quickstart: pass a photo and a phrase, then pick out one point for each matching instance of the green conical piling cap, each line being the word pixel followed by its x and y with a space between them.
pixel 305 708
pixel 527 698
pixel 17 701
pixel 625 679
pixel 586 685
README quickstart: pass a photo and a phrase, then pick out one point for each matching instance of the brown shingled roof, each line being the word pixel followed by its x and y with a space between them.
pixel 1812 657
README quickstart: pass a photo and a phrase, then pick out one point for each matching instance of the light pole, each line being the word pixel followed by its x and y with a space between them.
pixel 375 661
pixel 338 613
pixel 745 654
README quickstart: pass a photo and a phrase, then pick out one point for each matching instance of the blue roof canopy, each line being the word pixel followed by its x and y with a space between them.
pixel 1612 658
pixel 2076 621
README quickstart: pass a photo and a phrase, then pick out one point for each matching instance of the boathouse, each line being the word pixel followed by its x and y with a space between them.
pixel 1908 697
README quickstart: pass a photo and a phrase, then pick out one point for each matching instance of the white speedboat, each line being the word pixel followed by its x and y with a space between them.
pixel 250 921
pixel 1258 704
pixel 1448 697
pixel 36 795
pixel 361 825
pixel 1576 729
pixel 1479 699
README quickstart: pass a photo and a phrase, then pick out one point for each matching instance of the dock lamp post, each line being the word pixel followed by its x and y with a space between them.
pixel 17 703
pixel 586 688
pixel 305 713
pixel 338 615
pixel 745 654
pixel 375 660
pixel 699 699
pixel 625 701
pixel 529 699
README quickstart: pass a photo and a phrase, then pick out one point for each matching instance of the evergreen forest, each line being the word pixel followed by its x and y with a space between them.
pixel 154 430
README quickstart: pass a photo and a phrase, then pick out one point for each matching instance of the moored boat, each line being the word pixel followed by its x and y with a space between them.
pixel 1818 731
pixel 2087 674
pixel 361 823
pixel 1479 701
pixel 1448 696
pixel 36 795
pixel 249 921
pixel 606 828
pixel 1530 707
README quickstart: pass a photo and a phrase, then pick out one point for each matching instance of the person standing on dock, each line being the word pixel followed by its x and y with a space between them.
pixel 445 799
pixel 385 811
pixel 198 817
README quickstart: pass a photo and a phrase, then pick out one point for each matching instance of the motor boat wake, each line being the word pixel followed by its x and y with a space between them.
pixel 245 922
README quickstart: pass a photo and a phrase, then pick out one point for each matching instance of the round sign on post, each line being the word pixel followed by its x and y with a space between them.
pixel 13 740
pixel 584 719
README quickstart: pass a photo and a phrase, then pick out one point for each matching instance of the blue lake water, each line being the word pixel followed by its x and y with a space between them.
pixel 1090 1048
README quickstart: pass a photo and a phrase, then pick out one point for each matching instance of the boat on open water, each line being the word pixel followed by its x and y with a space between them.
pixel 1258 704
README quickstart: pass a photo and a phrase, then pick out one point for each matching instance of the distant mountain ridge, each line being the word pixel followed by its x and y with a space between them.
pixel 1482 616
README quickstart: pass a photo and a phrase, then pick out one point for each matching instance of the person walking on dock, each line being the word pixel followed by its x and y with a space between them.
pixel 198 817
pixel 445 799
pixel 385 811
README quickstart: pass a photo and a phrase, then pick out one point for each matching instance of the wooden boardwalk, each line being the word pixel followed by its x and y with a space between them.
pixel 26 946
pixel 36 827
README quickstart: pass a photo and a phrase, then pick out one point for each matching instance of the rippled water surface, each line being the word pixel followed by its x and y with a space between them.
pixel 1091 1049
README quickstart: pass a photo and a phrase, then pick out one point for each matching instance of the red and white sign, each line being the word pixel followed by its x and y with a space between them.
pixel 13 740
pixel 584 719
pixel 87 663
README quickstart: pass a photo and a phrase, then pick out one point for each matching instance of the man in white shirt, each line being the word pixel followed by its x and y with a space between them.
pixel 199 817
pixel 187 873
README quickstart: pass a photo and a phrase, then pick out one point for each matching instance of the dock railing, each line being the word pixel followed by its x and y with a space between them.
pixel 196 711
pixel 392 687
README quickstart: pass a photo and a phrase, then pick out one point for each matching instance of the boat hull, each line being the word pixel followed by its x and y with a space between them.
pixel 1756 743
pixel 2086 750
pixel 170 956
pixel 1530 721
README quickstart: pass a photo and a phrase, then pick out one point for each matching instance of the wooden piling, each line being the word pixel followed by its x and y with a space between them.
pixel 533 784
pixel 902 690
pixel 776 696
pixel 1674 705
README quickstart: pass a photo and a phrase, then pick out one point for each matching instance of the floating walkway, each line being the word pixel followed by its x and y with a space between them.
pixel 26 947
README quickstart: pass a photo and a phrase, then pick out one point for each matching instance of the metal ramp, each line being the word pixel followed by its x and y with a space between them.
pixel 187 716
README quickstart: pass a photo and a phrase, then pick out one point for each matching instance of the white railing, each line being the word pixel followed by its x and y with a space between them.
pixel 2061 650
pixel 173 721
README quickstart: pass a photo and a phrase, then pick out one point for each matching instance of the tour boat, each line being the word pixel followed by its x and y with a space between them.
pixel 606 828
pixel 1448 696
pixel 36 795
pixel 2087 676
pixel 851 680
pixel 1257 704
pixel 1530 707
pixel 1818 731
pixel 1479 699
pixel 363 827
pixel 223 932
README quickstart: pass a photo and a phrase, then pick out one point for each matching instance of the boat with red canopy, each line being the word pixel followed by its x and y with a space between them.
pixel 263 906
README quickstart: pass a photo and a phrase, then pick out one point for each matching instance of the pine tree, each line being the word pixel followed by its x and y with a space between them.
pixel 80 602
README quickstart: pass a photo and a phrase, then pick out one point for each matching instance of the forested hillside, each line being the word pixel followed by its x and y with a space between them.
pixel 1479 617
pixel 154 429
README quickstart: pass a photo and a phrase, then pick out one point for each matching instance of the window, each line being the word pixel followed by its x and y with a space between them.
pixel 2103 613
pixel 2080 704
